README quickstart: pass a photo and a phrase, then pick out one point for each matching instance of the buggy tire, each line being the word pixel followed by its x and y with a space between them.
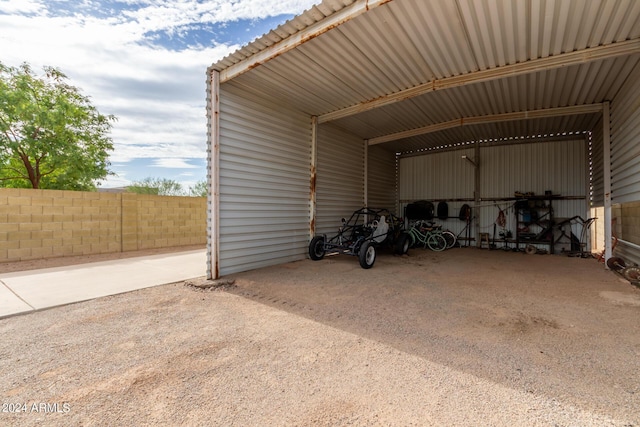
pixel 316 248
pixel 403 243
pixel 367 255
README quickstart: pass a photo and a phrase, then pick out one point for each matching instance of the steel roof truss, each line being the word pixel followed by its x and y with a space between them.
pixel 598 53
pixel 492 118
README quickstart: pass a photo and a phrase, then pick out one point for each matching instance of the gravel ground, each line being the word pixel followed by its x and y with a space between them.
pixel 466 337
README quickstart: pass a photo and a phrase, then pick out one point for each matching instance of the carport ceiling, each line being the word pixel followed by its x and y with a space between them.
pixel 414 74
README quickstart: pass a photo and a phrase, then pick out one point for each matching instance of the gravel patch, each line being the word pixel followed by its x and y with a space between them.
pixel 465 337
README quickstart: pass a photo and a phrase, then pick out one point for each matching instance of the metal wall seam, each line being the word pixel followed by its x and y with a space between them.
pixel 265 154
pixel 340 177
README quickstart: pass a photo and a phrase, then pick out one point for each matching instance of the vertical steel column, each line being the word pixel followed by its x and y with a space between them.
pixel 606 154
pixel 476 193
pixel 213 177
pixel 313 172
pixel 366 172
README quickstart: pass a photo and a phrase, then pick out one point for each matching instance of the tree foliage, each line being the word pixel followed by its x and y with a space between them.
pixel 51 136
pixel 167 187
pixel 159 186
pixel 199 189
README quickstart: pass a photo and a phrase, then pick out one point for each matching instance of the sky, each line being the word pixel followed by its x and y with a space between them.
pixel 143 61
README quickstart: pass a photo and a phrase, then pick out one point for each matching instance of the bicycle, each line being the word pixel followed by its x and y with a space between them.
pixel 432 236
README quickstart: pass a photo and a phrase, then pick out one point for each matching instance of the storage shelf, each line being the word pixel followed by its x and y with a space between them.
pixel 535 215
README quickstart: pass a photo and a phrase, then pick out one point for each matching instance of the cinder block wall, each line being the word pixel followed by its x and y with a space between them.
pixel 37 224
pixel 629 222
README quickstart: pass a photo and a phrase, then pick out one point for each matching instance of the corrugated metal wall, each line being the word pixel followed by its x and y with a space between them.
pixel 340 177
pixel 438 176
pixel 625 167
pixel 442 175
pixel 381 179
pixel 265 156
pixel 625 141
pixel 559 166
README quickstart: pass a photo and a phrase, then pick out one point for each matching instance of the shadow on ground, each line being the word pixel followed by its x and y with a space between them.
pixel 552 325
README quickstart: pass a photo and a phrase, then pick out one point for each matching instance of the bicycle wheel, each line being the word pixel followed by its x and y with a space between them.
pixel 450 238
pixel 437 242
pixel 414 240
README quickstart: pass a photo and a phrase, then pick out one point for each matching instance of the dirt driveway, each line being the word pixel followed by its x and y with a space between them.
pixel 464 337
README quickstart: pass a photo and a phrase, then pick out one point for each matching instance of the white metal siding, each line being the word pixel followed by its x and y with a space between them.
pixel 340 177
pixel 625 164
pixel 556 166
pixel 438 176
pixel 264 171
pixel 560 167
pixel 629 252
pixel 625 141
pixel 381 179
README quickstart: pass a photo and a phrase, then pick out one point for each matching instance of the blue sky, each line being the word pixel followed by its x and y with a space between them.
pixel 143 61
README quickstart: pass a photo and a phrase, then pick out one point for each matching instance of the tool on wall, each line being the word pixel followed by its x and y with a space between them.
pixel 465 215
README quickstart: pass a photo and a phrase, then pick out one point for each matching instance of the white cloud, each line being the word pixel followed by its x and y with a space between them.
pixel 21 6
pixel 174 163
pixel 157 93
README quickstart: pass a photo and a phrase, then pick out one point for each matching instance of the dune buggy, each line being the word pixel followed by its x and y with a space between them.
pixel 366 229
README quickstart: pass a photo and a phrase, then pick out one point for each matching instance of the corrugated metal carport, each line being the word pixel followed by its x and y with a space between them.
pixel 312 120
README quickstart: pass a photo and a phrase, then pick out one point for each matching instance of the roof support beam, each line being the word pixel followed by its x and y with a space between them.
pixel 492 118
pixel 295 40
pixel 597 53
pixel 606 158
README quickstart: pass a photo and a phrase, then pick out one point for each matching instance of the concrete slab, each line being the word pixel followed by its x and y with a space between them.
pixel 38 289
pixel 10 303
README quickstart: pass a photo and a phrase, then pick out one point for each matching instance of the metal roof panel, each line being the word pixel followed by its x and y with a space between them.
pixel 403 44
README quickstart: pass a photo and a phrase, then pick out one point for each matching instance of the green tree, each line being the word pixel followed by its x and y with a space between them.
pixel 199 189
pixel 159 186
pixel 51 136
